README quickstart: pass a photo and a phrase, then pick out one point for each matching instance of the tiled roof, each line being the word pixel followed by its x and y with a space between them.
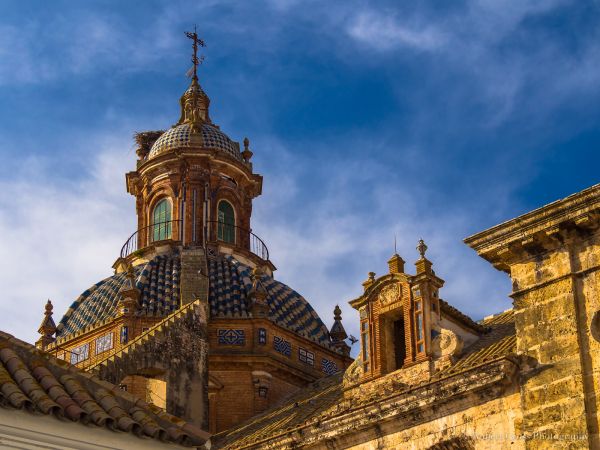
pixel 181 136
pixel 230 284
pixel 500 340
pixel 34 381
pixel 158 281
pixel 326 397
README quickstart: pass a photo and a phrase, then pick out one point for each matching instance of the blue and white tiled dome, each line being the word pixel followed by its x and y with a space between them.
pixel 230 284
pixel 181 136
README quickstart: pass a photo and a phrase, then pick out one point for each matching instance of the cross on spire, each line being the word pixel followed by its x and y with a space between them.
pixel 196 41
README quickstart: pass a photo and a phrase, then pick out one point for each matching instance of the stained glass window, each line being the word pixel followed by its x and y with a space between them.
pixel 161 219
pixel 226 225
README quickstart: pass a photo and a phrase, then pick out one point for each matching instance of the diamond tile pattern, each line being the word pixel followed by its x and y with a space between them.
pixel 282 346
pixel 329 367
pixel 32 381
pixel 230 283
pixel 231 337
pixel 181 137
pixel 158 282
pixel 229 286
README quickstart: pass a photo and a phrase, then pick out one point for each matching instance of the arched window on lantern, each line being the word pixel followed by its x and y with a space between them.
pixel 161 220
pixel 226 222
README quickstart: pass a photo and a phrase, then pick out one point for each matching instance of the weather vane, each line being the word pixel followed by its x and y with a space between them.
pixel 195 60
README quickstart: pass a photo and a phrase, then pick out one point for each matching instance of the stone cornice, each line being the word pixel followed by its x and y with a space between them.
pixel 538 228
pixel 351 417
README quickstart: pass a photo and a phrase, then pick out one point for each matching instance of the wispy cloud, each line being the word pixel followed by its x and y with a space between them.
pixel 384 32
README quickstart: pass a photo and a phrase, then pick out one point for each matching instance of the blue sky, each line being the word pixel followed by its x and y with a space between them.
pixel 367 119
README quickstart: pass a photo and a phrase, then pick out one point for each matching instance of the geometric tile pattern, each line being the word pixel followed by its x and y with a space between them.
pixel 282 346
pixel 104 343
pixel 329 367
pixel 181 137
pixel 158 281
pixel 231 337
pixel 228 297
pixel 230 283
pixel 262 336
pixel 306 357
pixel 80 353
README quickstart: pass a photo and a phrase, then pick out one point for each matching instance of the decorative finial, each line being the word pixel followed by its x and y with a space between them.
pixel 247 153
pixel 196 41
pixel 395 249
pixel 337 333
pixel 337 313
pixel 49 307
pixel 422 248
pixel 371 276
pixel 47 327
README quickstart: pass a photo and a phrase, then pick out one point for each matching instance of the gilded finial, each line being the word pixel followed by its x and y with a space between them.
pixel 422 248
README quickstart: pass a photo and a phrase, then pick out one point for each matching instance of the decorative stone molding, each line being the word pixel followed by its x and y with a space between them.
pixel 390 294
pixel 446 344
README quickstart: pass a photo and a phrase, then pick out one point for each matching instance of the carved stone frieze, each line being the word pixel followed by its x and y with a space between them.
pixel 390 294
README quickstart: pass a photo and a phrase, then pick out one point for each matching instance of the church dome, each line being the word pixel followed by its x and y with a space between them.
pixel 182 136
pixel 229 288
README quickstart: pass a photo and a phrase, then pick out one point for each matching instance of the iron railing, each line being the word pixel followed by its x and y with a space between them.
pixel 169 230
pixel 214 232
pixel 237 236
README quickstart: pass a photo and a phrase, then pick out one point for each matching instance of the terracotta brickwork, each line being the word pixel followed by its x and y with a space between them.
pixel 249 378
pixel 400 317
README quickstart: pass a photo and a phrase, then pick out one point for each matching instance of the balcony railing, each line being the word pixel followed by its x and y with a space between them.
pixel 236 236
pixel 161 231
pixel 216 232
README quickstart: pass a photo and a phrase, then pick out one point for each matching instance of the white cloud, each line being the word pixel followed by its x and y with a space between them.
pixel 383 32
pixel 60 236
pixel 325 250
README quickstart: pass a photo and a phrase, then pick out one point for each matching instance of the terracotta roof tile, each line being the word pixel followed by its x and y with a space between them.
pixel 35 381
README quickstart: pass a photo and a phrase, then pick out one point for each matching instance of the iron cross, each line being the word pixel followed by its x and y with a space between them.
pixel 196 42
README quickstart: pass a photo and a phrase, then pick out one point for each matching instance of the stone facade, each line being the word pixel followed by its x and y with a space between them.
pixel 526 378
pixel 553 256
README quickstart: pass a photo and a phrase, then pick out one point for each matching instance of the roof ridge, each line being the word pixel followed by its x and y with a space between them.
pixel 145 336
